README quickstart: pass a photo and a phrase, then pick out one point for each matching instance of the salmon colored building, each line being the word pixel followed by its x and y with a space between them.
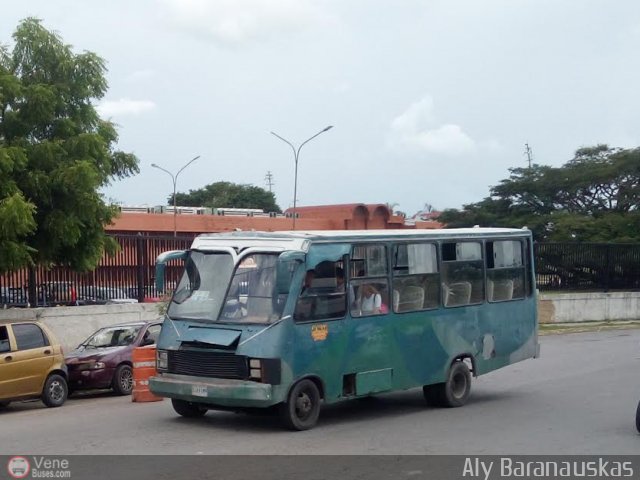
pixel 352 216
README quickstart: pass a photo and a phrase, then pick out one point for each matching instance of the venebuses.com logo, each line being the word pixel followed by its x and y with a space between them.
pixel 18 467
pixel 38 467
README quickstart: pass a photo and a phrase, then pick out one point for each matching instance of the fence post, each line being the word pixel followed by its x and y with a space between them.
pixel 607 269
pixel 32 291
pixel 140 266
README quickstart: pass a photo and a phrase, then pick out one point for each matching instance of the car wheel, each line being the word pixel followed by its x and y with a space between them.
pixel 302 408
pixel 122 383
pixel 188 409
pixel 4 403
pixel 452 393
pixel 54 392
pixel 638 418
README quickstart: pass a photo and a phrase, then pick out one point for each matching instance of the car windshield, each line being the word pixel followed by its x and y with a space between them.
pixel 201 290
pixel 113 337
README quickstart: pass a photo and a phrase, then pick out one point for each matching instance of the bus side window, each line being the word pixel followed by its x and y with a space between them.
pixel 323 294
pixel 416 281
pixel 462 274
pixel 369 296
pixel 505 270
pixel 369 292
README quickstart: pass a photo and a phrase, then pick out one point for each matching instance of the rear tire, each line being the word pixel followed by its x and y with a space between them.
pixel 302 408
pixel 188 409
pixel 122 382
pixel 54 392
pixel 452 393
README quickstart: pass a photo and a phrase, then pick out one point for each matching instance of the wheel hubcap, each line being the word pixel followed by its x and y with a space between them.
pixel 126 380
pixel 56 391
pixel 304 405
pixel 458 385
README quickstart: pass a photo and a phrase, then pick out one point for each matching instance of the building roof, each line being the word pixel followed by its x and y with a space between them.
pixel 350 216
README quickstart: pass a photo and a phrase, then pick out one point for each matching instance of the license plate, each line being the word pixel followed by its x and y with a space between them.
pixel 199 390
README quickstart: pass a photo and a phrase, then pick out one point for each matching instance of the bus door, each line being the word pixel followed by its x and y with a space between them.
pixel 320 339
pixel 371 350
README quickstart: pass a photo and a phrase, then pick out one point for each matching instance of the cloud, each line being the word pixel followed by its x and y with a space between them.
pixel 233 22
pixel 124 106
pixel 416 129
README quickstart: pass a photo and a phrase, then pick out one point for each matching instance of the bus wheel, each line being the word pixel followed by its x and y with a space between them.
pixel 188 409
pixel 302 408
pixel 638 418
pixel 452 393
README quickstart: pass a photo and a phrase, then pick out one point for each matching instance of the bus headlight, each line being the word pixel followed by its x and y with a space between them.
pixel 255 369
pixel 162 360
pixel 265 370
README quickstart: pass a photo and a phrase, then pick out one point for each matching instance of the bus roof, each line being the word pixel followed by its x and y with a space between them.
pixel 296 240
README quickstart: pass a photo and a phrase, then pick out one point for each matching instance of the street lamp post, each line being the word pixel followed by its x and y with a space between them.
pixel 174 179
pixel 296 154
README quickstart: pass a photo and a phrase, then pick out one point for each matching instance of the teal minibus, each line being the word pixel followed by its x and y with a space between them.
pixel 294 320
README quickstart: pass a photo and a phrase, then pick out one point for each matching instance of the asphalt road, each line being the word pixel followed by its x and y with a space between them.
pixel 578 398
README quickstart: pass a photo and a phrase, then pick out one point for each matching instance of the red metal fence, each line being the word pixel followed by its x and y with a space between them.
pixel 127 275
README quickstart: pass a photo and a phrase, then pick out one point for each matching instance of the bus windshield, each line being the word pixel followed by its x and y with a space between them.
pixel 211 290
pixel 200 292
pixel 252 296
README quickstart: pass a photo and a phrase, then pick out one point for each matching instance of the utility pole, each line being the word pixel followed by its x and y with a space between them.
pixel 269 180
pixel 529 153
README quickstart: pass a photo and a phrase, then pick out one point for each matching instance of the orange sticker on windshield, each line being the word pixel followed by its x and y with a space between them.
pixel 319 332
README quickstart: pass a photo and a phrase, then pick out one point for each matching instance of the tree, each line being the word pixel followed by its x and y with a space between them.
pixel 228 195
pixel 55 153
pixel 593 197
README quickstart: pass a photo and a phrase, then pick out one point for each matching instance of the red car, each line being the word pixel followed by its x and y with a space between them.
pixel 104 359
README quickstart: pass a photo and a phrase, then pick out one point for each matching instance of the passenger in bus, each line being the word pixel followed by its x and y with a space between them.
pixel 308 281
pixel 306 305
pixel 339 280
pixel 370 300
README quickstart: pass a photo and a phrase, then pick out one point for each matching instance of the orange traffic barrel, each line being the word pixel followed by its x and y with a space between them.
pixel 144 367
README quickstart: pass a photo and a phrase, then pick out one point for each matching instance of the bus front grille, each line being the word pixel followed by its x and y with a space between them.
pixel 208 364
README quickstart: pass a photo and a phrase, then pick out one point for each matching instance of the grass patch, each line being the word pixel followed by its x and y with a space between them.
pixel 560 328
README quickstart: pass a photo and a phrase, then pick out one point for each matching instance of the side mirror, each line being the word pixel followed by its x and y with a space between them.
pixel 286 267
pixel 161 262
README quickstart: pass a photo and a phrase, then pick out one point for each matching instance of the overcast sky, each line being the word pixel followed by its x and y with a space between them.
pixel 431 100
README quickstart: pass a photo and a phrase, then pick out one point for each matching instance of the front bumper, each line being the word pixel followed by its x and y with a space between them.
pixel 214 391
pixel 81 379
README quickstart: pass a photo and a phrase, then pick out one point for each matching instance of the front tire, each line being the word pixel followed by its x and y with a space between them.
pixel 122 383
pixel 55 391
pixel 452 393
pixel 302 408
pixel 188 409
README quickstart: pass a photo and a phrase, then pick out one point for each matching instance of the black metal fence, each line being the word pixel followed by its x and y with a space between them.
pixel 587 266
pixel 130 274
